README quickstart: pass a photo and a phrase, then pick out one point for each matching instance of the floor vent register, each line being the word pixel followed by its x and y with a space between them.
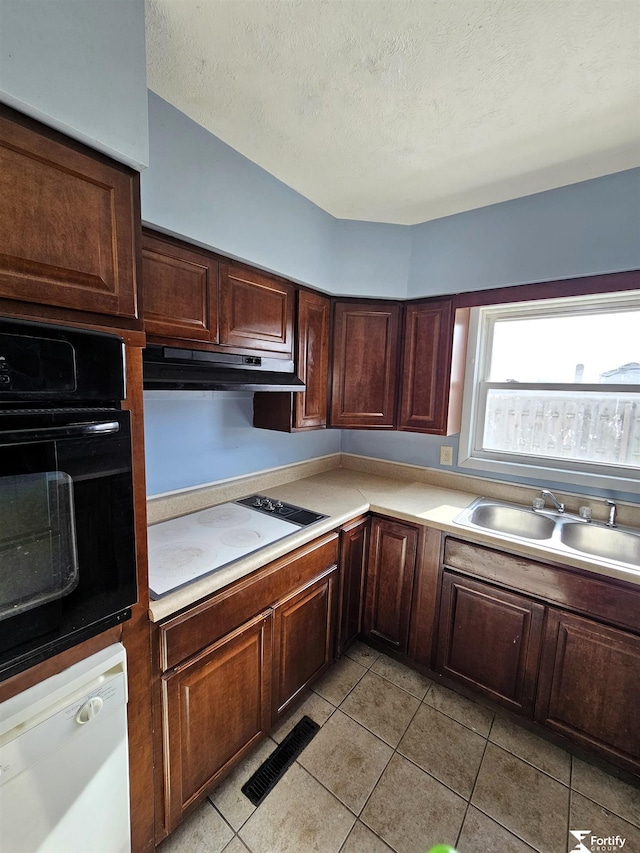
pixel 273 769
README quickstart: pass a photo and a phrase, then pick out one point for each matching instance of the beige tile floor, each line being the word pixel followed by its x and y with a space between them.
pixel 401 764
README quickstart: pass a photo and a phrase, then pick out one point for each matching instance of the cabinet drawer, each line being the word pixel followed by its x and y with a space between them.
pixel 603 598
pixel 186 634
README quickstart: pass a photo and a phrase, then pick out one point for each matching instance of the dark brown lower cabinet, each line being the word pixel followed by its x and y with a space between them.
pixel 234 662
pixel 353 550
pixel 589 688
pixel 216 707
pixel 303 638
pixel 490 639
pixel 391 567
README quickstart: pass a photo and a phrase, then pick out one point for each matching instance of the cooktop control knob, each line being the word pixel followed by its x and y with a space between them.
pixel 268 505
pixel 278 505
pixel 257 502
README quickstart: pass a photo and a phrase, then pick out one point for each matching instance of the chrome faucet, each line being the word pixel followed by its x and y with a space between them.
pixel 613 511
pixel 547 494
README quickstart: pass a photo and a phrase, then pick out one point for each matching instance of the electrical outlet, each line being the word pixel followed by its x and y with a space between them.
pixel 446 455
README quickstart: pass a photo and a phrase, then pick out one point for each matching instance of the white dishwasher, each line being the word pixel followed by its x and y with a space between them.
pixel 64 767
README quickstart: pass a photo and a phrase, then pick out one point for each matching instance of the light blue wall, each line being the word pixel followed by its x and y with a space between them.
pixel 370 259
pixel 582 229
pixel 79 66
pixel 199 188
pixel 197 437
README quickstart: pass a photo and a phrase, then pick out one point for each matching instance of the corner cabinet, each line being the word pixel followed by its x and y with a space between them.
pixel 232 664
pixel 374 385
pixel 69 223
pixel 289 411
pixel 391 567
pixel 354 538
pixel 364 364
pixel 180 287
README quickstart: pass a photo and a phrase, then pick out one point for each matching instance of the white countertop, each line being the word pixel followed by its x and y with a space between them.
pixel 343 494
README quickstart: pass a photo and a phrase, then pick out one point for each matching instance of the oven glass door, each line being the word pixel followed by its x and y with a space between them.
pixel 37 540
pixel 67 545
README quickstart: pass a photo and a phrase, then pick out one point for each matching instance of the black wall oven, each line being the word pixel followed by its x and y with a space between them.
pixel 67 544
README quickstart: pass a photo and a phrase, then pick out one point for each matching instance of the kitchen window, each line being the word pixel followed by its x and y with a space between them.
pixel 552 389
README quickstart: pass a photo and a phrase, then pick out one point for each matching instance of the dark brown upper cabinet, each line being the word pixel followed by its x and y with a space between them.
pixel 256 310
pixel 287 411
pixel 432 372
pixel 68 223
pixel 180 286
pixel 364 364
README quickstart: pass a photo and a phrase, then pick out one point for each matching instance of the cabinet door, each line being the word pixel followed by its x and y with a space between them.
pixel 353 548
pixel 67 222
pixel 256 310
pixel 180 288
pixel 312 360
pixel 590 686
pixel 424 385
pixel 287 411
pixel 490 639
pixel 364 364
pixel 389 583
pixel 303 638
pixel 215 709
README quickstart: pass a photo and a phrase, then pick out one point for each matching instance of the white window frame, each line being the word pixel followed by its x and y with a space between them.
pixel 573 472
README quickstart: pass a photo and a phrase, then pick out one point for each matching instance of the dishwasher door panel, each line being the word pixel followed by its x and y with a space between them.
pixel 64 770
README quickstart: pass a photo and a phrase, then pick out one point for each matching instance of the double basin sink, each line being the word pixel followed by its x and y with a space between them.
pixel 560 532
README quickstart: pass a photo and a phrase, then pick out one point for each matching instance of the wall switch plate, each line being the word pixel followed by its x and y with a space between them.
pixel 446 455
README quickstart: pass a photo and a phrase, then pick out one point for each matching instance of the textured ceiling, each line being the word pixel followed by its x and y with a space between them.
pixel 408 110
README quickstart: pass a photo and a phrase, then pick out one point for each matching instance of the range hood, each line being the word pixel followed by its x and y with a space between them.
pixel 173 368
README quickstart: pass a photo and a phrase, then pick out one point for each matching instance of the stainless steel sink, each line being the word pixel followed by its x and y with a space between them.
pixel 555 531
pixel 600 541
pixel 514 521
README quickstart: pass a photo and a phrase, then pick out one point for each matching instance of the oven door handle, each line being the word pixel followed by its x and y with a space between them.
pixel 68 431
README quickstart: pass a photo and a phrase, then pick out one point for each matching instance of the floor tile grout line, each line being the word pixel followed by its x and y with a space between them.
pixel 451 717
pixel 350 689
pixel 395 683
pixel 491 817
pixel 223 818
pixel 349 809
pixel 529 763
pixel 634 823
pixel 393 753
pixel 473 788
pixel 508 828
